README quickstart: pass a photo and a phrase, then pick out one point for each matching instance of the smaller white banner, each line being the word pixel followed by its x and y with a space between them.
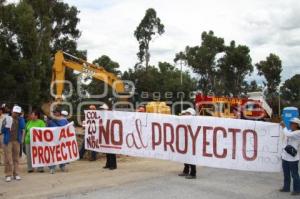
pixel 53 146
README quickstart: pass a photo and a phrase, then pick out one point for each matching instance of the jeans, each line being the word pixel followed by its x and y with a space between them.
pixel 290 169
pixel 60 166
pixel 190 169
pixel 111 161
pixel 29 162
pixel 82 152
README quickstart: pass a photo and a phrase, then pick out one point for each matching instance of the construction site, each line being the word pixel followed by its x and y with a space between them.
pixel 166 100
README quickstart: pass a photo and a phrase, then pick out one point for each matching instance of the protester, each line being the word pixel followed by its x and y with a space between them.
pixel 57 121
pixel 111 159
pixel 189 171
pixel 64 113
pixel 13 134
pixel 3 114
pixel 34 121
pixel 141 109
pixel 22 147
pixel 82 149
pixel 290 156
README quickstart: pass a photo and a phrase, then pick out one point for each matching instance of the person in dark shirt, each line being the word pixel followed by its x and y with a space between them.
pixel 57 121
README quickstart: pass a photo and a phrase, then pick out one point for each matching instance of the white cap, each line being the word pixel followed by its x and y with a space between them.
pixel 104 107
pixel 183 112
pixel 190 111
pixel 295 120
pixel 17 109
pixel 64 113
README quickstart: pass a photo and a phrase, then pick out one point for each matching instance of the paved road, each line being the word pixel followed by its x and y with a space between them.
pixel 138 178
pixel 210 184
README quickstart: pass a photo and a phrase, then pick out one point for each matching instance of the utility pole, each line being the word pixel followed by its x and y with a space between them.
pixel 181 100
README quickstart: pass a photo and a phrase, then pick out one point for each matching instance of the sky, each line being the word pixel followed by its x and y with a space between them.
pixel 266 26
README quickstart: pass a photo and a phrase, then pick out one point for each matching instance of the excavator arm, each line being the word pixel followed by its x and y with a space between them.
pixel 80 65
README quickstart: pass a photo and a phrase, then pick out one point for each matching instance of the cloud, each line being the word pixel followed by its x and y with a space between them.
pixel 266 26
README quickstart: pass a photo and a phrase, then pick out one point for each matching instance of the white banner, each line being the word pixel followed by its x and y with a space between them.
pixel 207 141
pixel 53 146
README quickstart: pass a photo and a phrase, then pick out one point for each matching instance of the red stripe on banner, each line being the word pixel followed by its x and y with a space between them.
pixel 111 147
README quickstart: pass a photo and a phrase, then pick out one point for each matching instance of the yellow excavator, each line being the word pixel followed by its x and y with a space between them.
pixel 80 65
pixel 61 62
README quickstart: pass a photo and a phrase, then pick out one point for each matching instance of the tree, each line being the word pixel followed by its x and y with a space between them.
pixel 96 87
pixel 164 81
pixel 108 64
pixel 233 68
pixel 30 32
pixel 271 69
pixel 202 59
pixel 148 27
pixel 253 87
pixel 291 91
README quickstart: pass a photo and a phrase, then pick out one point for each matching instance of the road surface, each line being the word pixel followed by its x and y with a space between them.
pixel 138 178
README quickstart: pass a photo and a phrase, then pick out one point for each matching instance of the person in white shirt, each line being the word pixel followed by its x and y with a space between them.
pixel 291 156
pixel 189 170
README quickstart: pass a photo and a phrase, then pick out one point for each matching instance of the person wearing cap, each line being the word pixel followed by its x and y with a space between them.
pixel 290 156
pixel 64 113
pixel 58 120
pixel 82 149
pixel 34 121
pixel 111 159
pixel 13 129
pixel 189 170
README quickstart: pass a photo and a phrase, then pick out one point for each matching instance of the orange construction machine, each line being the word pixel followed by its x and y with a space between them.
pixel 253 107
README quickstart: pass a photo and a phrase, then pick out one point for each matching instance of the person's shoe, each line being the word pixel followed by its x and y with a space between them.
pixel 112 168
pixel 41 171
pixel 295 193
pixel 105 167
pixel 92 159
pixel 283 190
pixel 30 171
pixel 8 179
pixel 190 177
pixel 183 174
pixel 52 171
pixel 17 177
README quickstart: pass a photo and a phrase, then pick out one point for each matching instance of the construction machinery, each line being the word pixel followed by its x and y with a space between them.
pixel 254 107
pixel 63 60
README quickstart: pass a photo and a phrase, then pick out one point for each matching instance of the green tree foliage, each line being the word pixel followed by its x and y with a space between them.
pixel 271 69
pixel 148 27
pixel 252 86
pixel 108 64
pixel 96 87
pixel 202 59
pixel 234 66
pixel 30 32
pixel 291 91
pixel 160 83
pixel 222 69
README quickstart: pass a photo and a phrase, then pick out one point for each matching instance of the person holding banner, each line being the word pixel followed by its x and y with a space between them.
pixel 34 121
pixel 2 116
pixel 59 120
pixel 13 128
pixel 189 171
pixel 290 156
pixel 82 149
pixel 111 159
